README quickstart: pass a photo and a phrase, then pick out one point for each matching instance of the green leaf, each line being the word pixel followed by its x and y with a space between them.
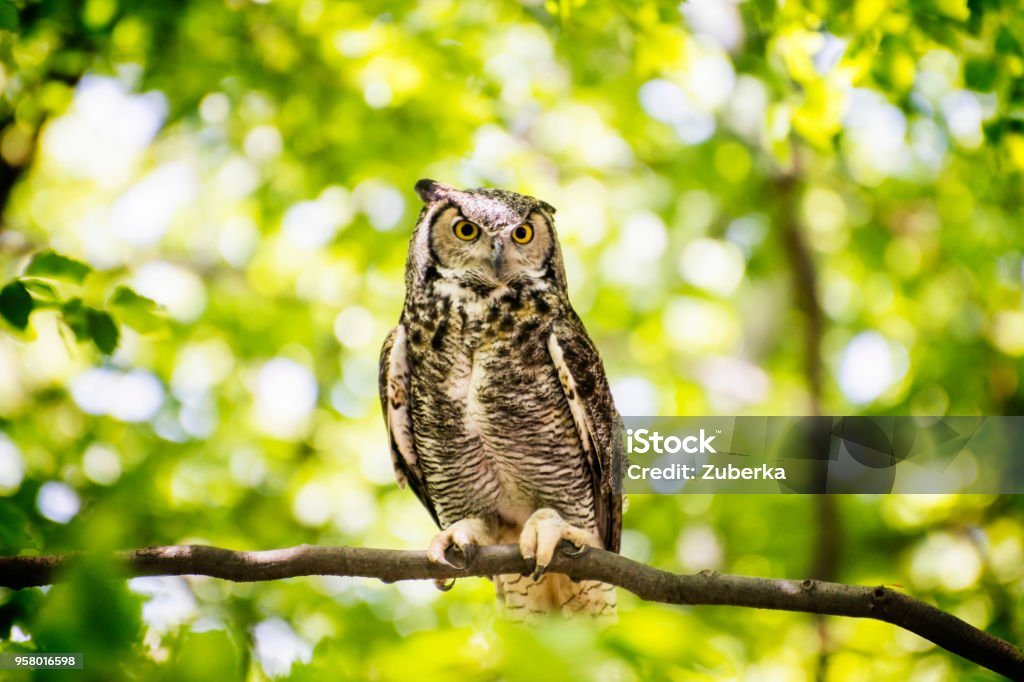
pixel 126 297
pixel 52 265
pixel 102 329
pixel 980 74
pixel 89 324
pixel 954 9
pixel 1006 43
pixel 75 317
pixel 9 20
pixel 14 529
pixel 16 304
pixel 138 312
pixel 41 291
pixel 17 609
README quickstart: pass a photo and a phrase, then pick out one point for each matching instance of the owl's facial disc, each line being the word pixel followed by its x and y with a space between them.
pixel 486 239
pixel 488 255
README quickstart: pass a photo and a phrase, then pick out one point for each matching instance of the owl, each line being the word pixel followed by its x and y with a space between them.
pixel 496 403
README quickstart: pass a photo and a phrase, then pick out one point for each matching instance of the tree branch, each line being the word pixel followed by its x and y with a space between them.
pixel 650 584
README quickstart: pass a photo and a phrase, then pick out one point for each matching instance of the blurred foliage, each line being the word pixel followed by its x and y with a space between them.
pixel 228 184
pixel 36 289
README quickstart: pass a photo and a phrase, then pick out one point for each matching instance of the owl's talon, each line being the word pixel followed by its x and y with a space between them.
pixel 444 585
pixel 455 546
pixel 573 551
pixel 443 561
pixel 542 534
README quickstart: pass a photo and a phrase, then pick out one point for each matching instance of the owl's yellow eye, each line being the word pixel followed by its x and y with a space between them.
pixel 465 230
pixel 522 234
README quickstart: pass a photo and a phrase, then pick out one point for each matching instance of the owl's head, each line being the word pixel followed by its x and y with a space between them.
pixel 484 239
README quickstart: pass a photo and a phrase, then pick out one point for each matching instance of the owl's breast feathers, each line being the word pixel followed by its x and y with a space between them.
pixel 497 412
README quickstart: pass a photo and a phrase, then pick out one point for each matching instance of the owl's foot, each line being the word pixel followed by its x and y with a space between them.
pixel 464 535
pixel 543 531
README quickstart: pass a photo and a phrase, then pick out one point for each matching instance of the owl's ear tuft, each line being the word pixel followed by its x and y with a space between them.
pixel 547 207
pixel 432 190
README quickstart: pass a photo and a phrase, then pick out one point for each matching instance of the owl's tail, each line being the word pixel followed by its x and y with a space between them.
pixel 527 600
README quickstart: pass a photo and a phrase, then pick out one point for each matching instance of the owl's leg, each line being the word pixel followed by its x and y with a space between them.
pixel 543 531
pixel 464 535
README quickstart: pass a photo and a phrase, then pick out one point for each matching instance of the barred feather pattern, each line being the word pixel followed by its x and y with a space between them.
pixel 493 430
pixel 526 600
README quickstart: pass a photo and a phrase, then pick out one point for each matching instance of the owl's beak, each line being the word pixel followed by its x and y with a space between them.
pixel 498 256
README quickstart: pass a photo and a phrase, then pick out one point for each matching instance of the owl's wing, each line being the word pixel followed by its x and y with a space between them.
pixel 597 421
pixel 394 402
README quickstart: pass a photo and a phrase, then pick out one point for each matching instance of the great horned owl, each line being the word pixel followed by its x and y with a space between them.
pixel 496 402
